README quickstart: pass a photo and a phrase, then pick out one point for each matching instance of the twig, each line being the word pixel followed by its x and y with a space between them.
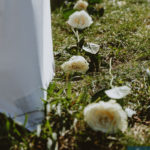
pixel 76 33
pixel 67 77
pixel 110 69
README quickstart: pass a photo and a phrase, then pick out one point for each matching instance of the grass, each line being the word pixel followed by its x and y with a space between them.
pixel 123 35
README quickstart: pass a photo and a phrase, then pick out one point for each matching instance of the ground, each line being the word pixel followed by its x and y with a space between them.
pixel 123 34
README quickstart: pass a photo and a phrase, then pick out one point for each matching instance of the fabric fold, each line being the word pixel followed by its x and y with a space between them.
pixel 26 58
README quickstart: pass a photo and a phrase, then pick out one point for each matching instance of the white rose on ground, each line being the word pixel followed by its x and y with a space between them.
pixel 118 92
pixel 75 64
pixel 107 117
pixel 130 112
pixel 81 5
pixel 80 20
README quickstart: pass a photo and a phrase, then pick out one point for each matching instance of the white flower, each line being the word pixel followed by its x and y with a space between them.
pixel 81 5
pixel 75 64
pixel 107 117
pixel 80 20
pixel 118 92
pixel 148 71
pixel 121 3
pixel 130 112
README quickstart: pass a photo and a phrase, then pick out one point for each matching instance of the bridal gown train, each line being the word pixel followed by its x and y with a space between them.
pixel 26 58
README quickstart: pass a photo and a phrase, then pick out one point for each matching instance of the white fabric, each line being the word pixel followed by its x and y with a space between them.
pixel 26 58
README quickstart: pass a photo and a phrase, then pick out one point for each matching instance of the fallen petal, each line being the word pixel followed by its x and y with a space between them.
pixel 118 92
pixel 130 112
pixel 91 48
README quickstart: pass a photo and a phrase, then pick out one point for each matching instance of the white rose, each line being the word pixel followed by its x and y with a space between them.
pixel 81 5
pixel 75 64
pixel 80 20
pixel 107 117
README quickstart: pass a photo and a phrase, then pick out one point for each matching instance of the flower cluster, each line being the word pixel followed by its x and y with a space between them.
pixel 80 19
pixel 108 117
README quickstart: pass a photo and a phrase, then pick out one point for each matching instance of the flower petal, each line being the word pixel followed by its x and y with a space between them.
pixel 91 48
pixel 118 92
pixel 130 112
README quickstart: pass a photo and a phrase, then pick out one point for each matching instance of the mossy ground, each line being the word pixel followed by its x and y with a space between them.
pixel 124 36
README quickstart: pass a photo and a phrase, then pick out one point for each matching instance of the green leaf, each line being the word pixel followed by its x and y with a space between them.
pixel 25 121
pixel 48 126
pixel 51 88
pixel 81 42
pixel 7 125
pixel 67 13
pixel 94 1
pixel 69 90
pixel 83 96
pixel 100 94
pixel 98 12
pixel 60 92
